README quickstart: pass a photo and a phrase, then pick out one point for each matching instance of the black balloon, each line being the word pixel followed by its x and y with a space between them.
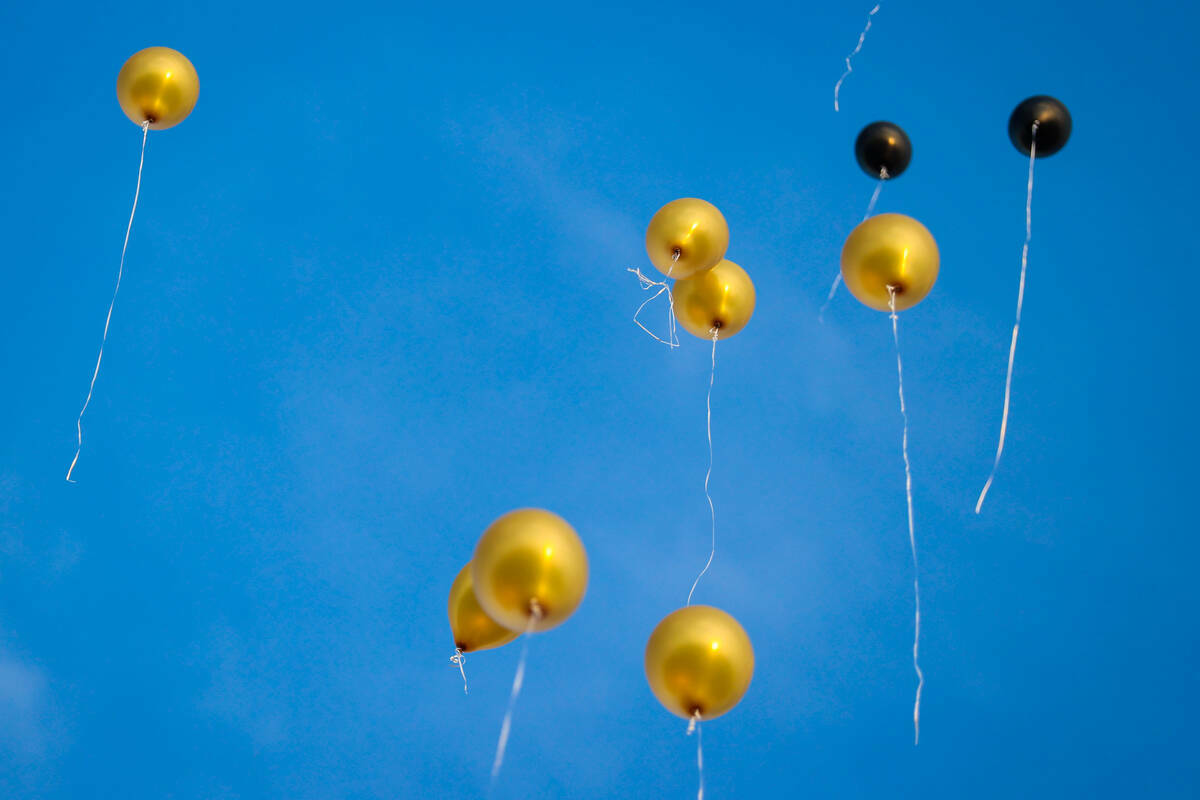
pixel 1054 125
pixel 883 150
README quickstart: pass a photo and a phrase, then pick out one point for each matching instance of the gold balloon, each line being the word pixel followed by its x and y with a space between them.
pixel 721 298
pixel 890 250
pixel 158 85
pixel 529 558
pixel 472 628
pixel 692 228
pixel 699 659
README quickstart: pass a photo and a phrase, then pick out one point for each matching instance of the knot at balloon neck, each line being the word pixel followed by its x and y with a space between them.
pixel 458 659
pixel 693 721
pixel 676 254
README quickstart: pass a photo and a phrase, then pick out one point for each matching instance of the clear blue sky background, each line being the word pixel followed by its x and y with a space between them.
pixel 376 296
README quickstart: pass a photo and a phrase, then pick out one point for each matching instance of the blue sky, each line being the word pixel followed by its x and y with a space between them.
pixel 376 296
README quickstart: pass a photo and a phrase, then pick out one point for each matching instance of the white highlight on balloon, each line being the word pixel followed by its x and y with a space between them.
pixel 837 88
pixel 912 538
pixel 711 510
pixel 1012 348
pixel 112 303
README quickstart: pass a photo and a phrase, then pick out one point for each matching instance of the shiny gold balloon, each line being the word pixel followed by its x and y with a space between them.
pixel 158 85
pixel 472 628
pixel 699 659
pixel 529 559
pixel 890 250
pixel 721 298
pixel 692 228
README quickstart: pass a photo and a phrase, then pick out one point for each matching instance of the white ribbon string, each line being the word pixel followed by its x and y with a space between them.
pixel 112 303
pixel 535 614
pixel 1012 348
pixel 711 510
pixel 862 37
pixel 694 726
pixel 672 339
pixel 458 659
pixel 912 538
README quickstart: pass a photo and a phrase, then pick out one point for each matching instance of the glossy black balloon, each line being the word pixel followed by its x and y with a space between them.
pixel 1054 125
pixel 883 146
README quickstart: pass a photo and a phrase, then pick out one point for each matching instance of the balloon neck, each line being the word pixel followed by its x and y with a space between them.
pixel 535 610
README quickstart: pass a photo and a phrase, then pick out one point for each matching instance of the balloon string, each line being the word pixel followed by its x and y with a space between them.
pixel 694 726
pixel 837 279
pixel 912 539
pixel 672 339
pixel 458 659
pixel 1012 348
pixel 861 38
pixel 535 615
pixel 108 319
pixel 712 511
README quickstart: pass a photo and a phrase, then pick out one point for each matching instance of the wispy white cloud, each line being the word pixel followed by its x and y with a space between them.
pixel 26 726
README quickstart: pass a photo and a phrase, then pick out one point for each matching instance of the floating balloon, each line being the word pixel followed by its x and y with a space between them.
pixel 1038 127
pixel 530 570
pixel 686 237
pixel 156 88
pixel 1053 125
pixel 472 628
pixel 883 150
pixel 890 258
pixel 699 662
pixel 890 262
pixel 720 299
pixel 158 85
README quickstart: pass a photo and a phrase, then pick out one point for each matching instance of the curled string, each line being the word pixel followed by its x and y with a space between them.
pixel 535 615
pixel 112 303
pixel 1012 348
pixel 861 38
pixel 912 539
pixel 837 279
pixel 458 659
pixel 711 510
pixel 694 726
pixel 672 339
